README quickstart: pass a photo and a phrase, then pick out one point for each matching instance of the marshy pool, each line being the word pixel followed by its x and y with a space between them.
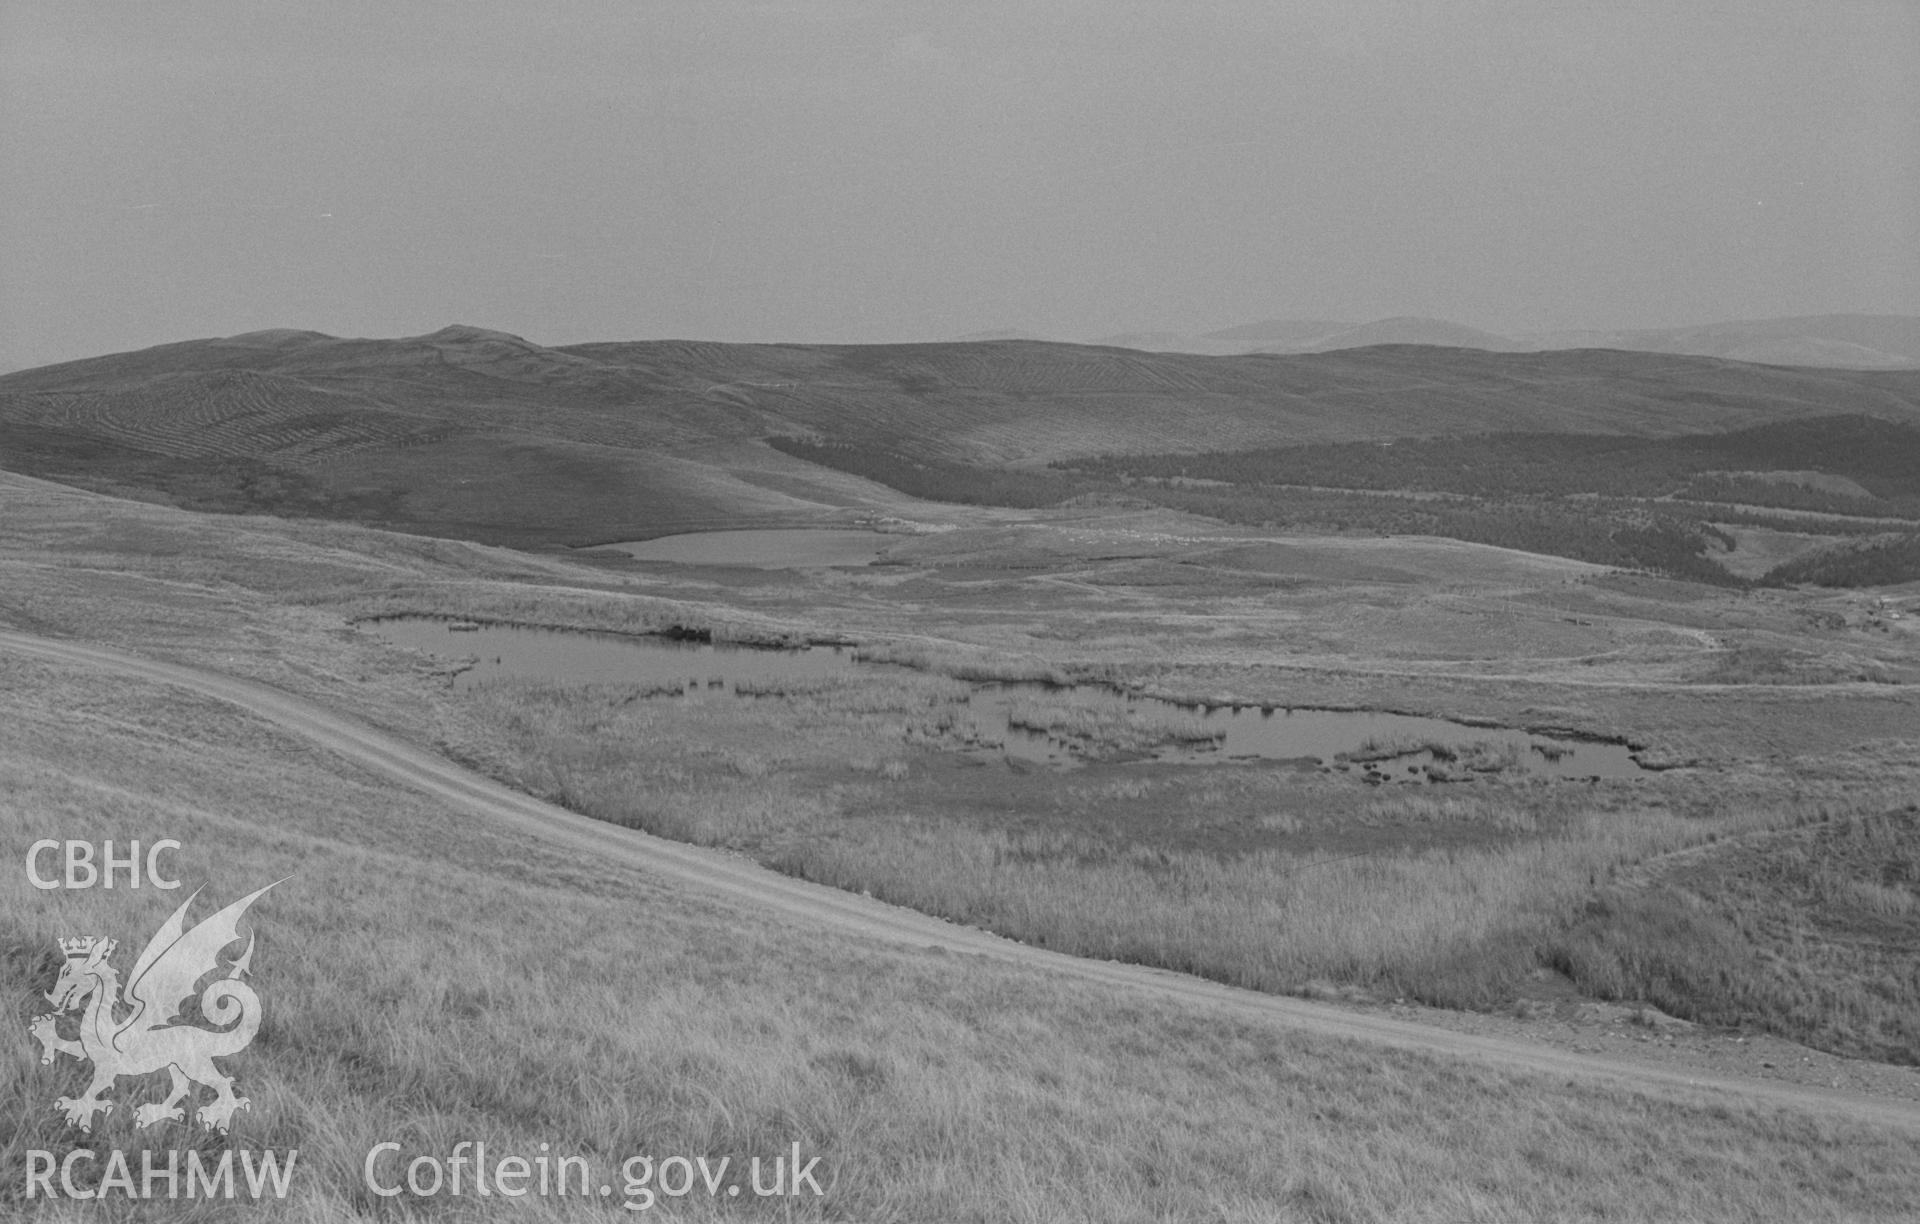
pixel 787 548
pixel 1029 722
pixel 661 663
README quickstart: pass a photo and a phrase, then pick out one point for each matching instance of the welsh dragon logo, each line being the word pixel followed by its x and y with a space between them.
pixel 147 1038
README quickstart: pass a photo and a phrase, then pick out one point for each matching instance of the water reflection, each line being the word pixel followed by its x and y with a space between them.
pixel 1028 722
pixel 791 548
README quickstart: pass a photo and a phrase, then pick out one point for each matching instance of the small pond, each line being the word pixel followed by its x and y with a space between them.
pixel 497 651
pixel 1024 721
pixel 796 548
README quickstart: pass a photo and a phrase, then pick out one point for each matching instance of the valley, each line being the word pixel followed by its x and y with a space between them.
pixel 1017 737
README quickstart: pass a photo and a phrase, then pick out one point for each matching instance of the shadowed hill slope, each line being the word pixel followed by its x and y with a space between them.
pixel 1849 341
pixel 1859 341
pixel 484 435
pixel 1404 330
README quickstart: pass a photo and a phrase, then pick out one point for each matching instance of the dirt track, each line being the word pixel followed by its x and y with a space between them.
pixel 751 886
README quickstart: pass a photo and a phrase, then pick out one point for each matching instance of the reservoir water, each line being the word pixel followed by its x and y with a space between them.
pixel 1025 721
pixel 793 548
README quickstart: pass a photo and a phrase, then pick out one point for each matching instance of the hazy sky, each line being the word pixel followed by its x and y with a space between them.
pixel 579 170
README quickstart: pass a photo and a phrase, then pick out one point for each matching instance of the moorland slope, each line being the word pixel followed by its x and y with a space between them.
pixel 810 905
pixel 440 967
pixel 1851 341
pixel 482 435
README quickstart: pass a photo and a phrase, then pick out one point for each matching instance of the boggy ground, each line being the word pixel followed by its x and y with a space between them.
pixel 432 977
pixel 1271 876
pixel 1453 895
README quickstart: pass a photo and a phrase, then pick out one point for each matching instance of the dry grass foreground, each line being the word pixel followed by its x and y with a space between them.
pixel 823 785
pixel 429 980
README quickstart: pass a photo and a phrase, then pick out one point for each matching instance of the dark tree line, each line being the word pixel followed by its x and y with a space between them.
pixel 933 480
pixel 1881 562
pixel 1606 533
pixel 1881 456
pixel 1540 493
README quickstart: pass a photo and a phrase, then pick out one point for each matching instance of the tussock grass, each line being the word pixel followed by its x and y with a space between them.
pixel 556 607
pixel 1111 790
pixel 1459 926
pixel 790 686
pixel 1453 928
pixel 780 783
pixel 1891 902
pixel 974 666
pixel 429 980
pixel 1450 761
pixel 1108 721
pixel 1386 747
pixel 1503 814
pixel 1814 934
pixel 1489 756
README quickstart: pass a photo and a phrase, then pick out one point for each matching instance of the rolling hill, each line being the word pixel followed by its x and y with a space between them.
pixel 1854 341
pixel 1403 330
pixel 482 435
pixel 1270 334
pixel 1838 341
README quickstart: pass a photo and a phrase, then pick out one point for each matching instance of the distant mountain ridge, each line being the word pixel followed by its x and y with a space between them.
pixel 1230 341
pixel 1403 330
pixel 1838 341
pixel 481 434
pixel 1845 340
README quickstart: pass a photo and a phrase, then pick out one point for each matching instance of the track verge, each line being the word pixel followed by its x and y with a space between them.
pixel 752 887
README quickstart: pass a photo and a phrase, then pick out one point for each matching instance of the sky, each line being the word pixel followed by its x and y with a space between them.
pixel 841 171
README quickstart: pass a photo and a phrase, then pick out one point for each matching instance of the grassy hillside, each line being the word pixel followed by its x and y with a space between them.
pixel 432 977
pixel 1669 504
pixel 1850 341
pixel 481 435
pixel 1878 463
pixel 426 987
pixel 1859 341
pixel 1813 930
